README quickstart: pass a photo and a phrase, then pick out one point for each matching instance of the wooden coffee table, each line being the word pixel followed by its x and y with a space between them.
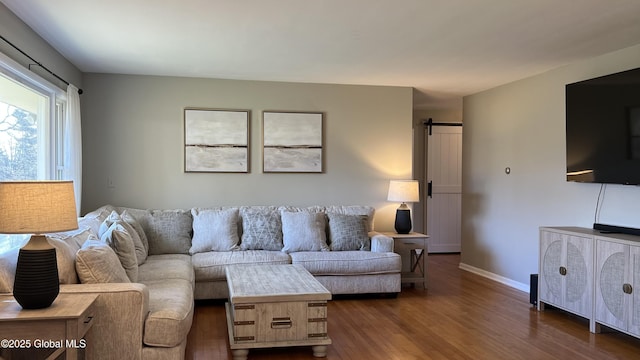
pixel 275 306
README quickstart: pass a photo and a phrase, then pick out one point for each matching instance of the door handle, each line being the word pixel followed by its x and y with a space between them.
pixel 430 189
pixel 563 270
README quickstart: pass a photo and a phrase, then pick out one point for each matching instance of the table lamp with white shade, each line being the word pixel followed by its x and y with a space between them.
pixel 37 207
pixel 403 191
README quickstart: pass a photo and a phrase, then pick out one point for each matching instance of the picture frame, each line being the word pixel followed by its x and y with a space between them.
pixel 216 140
pixel 293 142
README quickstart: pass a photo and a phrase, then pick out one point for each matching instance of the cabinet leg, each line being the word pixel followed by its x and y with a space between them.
pixel 240 354
pixel 319 350
pixel 596 328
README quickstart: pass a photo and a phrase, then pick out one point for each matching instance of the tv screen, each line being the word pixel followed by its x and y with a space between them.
pixel 603 129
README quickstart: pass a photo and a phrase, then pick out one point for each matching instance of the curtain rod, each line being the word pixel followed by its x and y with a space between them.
pixel 37 63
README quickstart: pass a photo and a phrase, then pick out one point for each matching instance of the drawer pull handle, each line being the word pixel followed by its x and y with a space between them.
pixel 88 319
pixel 244 338
pixel 244 307
pixel 563 270
pixel 281 323
pixel 322 304
pixel 627 288
pixel 247 322
pixel 317 335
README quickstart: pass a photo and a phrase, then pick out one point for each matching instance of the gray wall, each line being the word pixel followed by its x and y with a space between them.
pixel 19 34
pixel 133 137
pixel 522 125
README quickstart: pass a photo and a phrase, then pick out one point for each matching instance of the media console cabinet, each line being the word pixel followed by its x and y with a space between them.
pixel 592 274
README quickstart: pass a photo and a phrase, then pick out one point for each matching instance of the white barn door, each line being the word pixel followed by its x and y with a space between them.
pixel 444 186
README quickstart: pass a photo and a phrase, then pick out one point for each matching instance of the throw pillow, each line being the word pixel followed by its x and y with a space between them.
pixel 368 211
pixel 97 263
pixel 65 260
pixel 67 244
pixel 348 232
pixel 131 220
pixel 303 231
pixel 214 230
pixel 168 231
pixel 8 263
pixel 261 230
pixel 95 218
pixel 140 249
pixel 119 239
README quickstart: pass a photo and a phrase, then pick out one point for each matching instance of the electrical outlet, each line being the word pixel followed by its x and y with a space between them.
pixel 110 183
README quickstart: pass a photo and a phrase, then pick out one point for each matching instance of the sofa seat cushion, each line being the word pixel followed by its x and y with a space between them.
pixel 347 262
pixel 170 312
pixel 167 266
pixel 210 266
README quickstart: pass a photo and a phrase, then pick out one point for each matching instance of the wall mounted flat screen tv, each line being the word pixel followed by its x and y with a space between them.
pixel 603 129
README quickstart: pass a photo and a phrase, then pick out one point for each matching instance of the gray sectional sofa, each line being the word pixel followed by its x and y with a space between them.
pixel 150 265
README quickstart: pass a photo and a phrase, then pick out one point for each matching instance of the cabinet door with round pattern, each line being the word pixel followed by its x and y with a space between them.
pixel 611 258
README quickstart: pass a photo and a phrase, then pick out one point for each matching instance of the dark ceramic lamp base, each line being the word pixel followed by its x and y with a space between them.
pixel 36 284
pixel 403 221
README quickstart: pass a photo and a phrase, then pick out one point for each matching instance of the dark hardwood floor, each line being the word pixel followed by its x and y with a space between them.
pixel 460 316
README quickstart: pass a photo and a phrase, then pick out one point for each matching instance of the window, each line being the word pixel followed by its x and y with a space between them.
pixel 31 120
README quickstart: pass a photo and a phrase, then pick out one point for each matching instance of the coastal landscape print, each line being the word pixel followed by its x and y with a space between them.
pixel 292 142
pixel 216 140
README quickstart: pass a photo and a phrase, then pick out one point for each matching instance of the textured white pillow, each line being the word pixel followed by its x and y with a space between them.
pixel 97 263
pixel 303 231
pixel 214 230
pixel 120 241
pixel 261 229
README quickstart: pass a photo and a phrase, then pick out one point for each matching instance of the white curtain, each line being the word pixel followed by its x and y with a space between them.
pixel 73 143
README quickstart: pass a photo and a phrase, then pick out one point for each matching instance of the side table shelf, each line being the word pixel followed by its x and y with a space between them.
pixel 413 250
pixel 53 331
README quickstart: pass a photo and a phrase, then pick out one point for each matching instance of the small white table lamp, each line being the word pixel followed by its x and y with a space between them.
pixel 403 191
pixel 37 207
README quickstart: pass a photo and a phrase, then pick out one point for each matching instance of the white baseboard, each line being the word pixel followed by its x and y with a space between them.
pixel 501 279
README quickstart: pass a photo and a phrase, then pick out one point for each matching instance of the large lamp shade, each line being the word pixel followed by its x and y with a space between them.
pixel 37 207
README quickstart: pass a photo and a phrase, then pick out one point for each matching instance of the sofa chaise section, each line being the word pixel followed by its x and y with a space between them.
pixel 211 282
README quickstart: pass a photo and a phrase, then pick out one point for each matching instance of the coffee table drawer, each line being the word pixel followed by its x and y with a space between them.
pixel 280 321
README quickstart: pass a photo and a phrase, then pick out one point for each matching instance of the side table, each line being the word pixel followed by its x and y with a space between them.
pixel 413 250
pixel 58 329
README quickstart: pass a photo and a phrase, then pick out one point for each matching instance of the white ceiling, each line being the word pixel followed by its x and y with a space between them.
pixel 443 48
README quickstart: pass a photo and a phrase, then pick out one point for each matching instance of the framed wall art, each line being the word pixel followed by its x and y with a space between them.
pixel 292 142
pixel 216 140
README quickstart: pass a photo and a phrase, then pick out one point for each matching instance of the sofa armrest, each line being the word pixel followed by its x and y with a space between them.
pixel 380 242
pixel 121 310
